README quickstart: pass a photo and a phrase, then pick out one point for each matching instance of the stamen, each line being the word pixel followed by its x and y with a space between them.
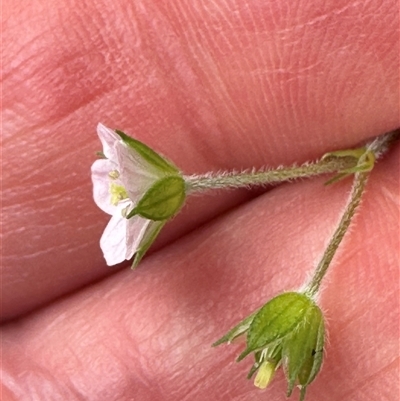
pixel 114 174
pixel 118 193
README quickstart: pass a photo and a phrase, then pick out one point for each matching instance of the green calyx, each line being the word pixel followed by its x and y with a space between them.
pixel 163 200
pixel 275 320
pixel 287 331
pixel 165 197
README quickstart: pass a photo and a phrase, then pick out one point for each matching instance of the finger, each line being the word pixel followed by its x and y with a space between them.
pixel 146 335
pixel 211 90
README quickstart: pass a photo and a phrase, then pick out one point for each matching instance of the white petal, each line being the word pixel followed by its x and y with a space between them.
pixel 135 230
pixel 137 175
pixel 108 139
pixel 122 237
pixel 147 234
pixel 113 240
pixel 101 184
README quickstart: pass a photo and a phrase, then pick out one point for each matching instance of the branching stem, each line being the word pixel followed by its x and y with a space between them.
pixel 372 151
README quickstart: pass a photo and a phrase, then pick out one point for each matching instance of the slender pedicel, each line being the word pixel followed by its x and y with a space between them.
pixel 373 151
pixel 342 162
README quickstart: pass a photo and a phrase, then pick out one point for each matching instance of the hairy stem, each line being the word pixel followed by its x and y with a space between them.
pixel 360 179
pixel 377 148
pixel 201 183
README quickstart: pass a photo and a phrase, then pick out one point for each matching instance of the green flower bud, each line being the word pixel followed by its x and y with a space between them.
pixel 287 331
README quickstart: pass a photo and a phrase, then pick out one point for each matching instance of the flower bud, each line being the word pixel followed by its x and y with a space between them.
pixel 287 331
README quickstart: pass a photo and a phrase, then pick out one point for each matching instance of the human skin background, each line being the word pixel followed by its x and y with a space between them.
pixel 212 85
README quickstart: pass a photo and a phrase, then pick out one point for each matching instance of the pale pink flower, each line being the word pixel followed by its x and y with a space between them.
pixel 119 181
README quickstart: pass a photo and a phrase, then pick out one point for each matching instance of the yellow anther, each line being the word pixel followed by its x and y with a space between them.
pixel 118 193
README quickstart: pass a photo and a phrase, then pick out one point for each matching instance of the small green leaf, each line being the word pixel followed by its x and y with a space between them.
pixel 365 161
pixel 238 330
pixel 163 200
pixel 161 164
pixel 275 320
pixel 353 153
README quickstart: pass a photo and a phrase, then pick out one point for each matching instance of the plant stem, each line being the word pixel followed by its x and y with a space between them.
pixel 380 145
pixel 377 148
pixel 201 183
pixel 326 165
pixel 360 179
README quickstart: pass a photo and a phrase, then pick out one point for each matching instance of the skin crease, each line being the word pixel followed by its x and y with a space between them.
pixel 212 85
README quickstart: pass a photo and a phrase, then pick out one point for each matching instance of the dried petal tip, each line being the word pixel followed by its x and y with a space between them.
pixel 265 374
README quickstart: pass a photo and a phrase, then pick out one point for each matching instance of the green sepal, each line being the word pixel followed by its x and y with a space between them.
pixel 256 364
pixel 162 201
pixel 159 163
pixel 275 320
pixel 237 331
pixel 302 349
pixel 313 363
pixel 149 237
pixel 303 393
